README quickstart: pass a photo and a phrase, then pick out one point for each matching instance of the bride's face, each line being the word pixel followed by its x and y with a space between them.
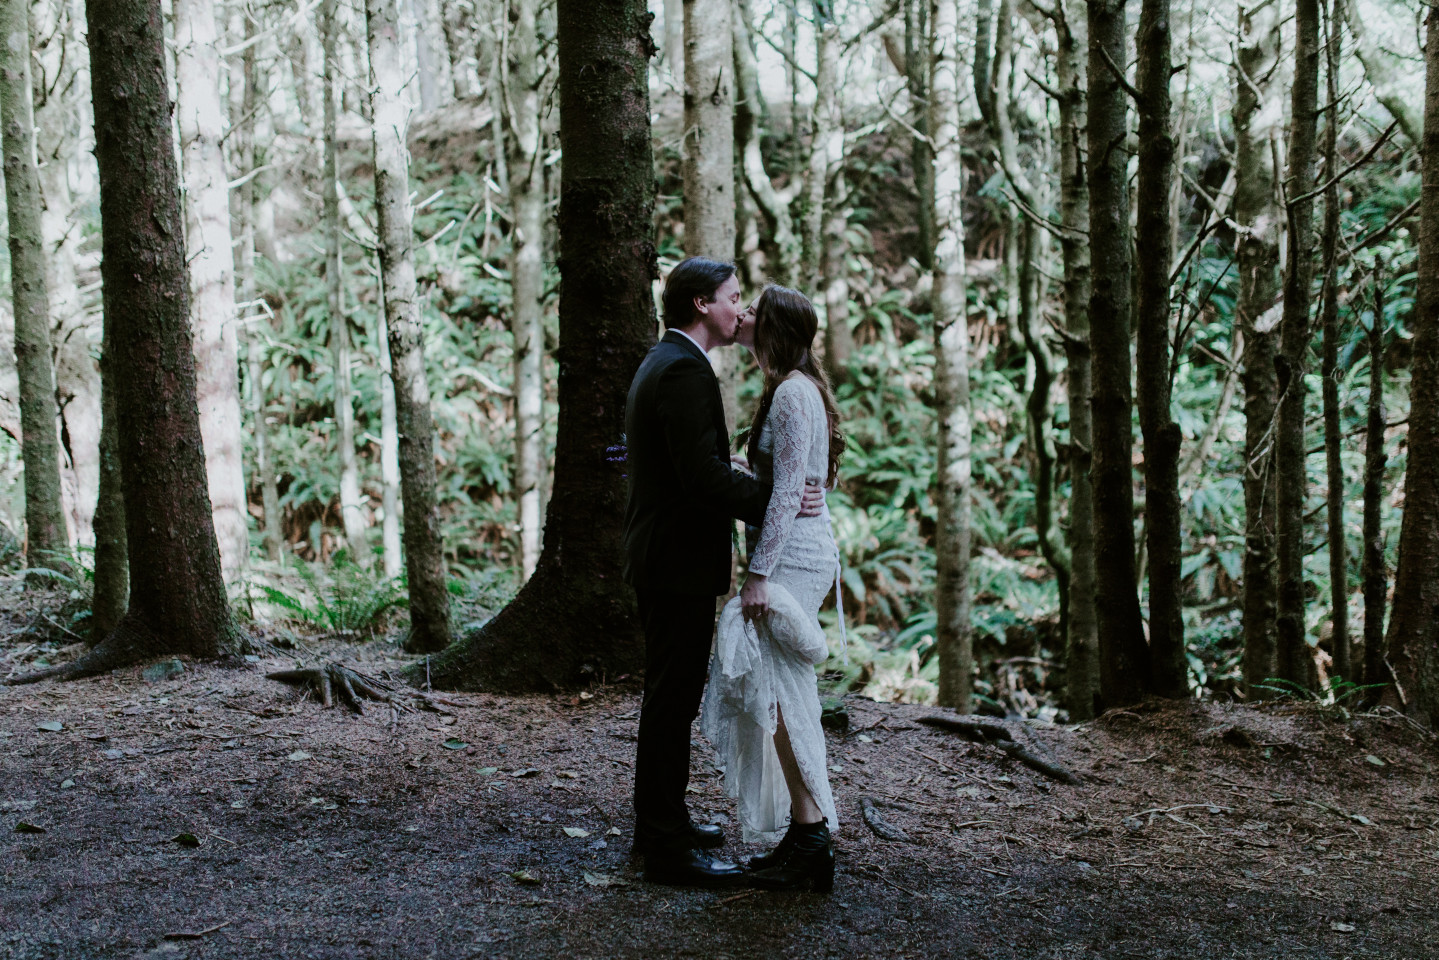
pixel 745 335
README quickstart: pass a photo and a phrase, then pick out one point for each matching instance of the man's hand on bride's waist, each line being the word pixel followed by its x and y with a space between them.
pixel 812 503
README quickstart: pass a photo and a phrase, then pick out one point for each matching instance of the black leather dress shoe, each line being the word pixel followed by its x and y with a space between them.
pixel 692 868
pixel 706 836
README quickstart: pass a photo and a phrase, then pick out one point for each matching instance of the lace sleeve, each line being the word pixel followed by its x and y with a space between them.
pixel 791 434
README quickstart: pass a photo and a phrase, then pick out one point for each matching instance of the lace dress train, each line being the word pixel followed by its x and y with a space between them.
pixel 763 670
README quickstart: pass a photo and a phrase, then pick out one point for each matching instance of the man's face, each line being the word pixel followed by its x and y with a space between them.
pixel 744 336
pixel 722 316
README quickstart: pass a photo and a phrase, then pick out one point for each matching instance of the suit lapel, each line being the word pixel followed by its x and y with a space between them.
pixel 685 343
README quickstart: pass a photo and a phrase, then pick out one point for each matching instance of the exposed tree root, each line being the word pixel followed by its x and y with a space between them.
pixel 994 733
pixel 333 681
pixel 876 822
pixel 130 643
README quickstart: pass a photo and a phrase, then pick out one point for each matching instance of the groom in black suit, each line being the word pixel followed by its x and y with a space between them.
pixel 683 499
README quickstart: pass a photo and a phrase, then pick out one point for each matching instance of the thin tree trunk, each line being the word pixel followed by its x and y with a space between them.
pixel 62 144
pixel 1329 373
pixel 951 371
pixel 576 600
pixel 47 541
pixel 1082 641
pixel 432 56
pixel 916 72
pixel 177 599
pixel 1168 662
pixel 527 207
pixel 674 46
pixel 424 554
pixel 1124 669
pixel 242 131
pixel 822 126
pixel 1257 314
pixel 833 252
pixel 1295 662
pixel 389 454
pixel 200 116
pixel 111 595
pixel 352 513
pixel 1373 571
pixel 1026 310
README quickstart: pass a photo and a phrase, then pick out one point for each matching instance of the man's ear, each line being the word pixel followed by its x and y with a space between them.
pixel 702 305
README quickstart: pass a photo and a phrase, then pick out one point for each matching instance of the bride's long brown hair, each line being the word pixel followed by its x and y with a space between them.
pixel 785 326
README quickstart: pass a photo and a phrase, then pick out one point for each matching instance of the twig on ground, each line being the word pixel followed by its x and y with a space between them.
pixel 197 934
pixel 876 822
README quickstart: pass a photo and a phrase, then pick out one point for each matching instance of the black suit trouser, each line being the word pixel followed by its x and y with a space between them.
pixel 678 629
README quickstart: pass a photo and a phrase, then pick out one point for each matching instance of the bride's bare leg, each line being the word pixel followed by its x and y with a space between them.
pixel 801 803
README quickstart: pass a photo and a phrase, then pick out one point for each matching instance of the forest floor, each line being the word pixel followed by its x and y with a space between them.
pixel 219 814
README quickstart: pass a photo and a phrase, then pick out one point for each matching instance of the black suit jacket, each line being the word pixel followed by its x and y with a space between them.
pixel 683 494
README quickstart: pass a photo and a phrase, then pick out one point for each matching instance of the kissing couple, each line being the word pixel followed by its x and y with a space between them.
pixel 761 711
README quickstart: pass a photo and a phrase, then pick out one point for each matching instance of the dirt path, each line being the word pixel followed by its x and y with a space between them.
pixel 219 801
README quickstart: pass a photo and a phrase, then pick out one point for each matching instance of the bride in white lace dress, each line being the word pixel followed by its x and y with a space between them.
pixel 762 710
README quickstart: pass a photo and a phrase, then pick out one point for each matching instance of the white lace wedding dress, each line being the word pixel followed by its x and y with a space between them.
pixel 759 669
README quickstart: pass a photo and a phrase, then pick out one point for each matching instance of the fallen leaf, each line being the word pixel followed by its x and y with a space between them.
pixel 1360 818
pixel 1375 760
pixel 568 775
pixel 526 772
pixel 863 738
pixel 66 784
pixel 488 771
pixel 298 755
pixel 23 827
pixel 576 832
pixel 50 726
pixel 455 743
pixel 605 880
pixel 113 754
pixel 613 832
pixel 525 877
pixel 186 839
pixel 1338 927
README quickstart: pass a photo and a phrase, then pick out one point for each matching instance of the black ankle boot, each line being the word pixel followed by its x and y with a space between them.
pixel 809 861
pixel 777 856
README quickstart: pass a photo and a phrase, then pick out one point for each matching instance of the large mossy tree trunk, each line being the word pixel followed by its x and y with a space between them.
pixel 953 632
pixel 1081 662
pixel 111 594
pixel 200 117
pixel 352 513
pixel 1169 666
pixel 1256 117
pixel 177 594
pixel 525 162
pixel 47 541
pixel 1124 665
pixel 390 121
pixel 1294 661
pixel 1413 634
pixel 574 621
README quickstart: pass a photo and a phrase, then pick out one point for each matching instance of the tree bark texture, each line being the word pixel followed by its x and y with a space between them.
pixel 833 243
pixel 177 593
pixel 1257 114
pixel 352 513
pixel 47 540
pixel 1294 658
pixel 1413 634
pixel 1082 640
pixel 389 452
pixel 953 632
pixel 1329 372
pixel 1390 85
pixel 424 554
pixel 576 601
pixel 821 145
pixel 432 56
pixel 200 117
pixel 525 162
pixel 1124 667
pixel 1169 664
pixel 709 205
pixel 1374 571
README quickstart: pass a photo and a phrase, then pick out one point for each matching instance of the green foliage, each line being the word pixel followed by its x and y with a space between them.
pixel 340 598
